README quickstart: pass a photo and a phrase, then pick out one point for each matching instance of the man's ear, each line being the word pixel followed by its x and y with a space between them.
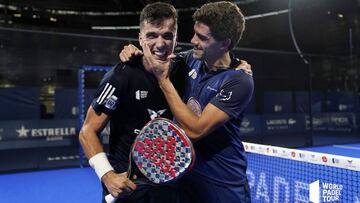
pixel 226 44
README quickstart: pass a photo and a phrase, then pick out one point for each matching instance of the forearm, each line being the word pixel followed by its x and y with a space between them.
pixel 184 116
pixel 90 142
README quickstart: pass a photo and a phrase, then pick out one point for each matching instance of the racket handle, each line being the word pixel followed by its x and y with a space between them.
pixel 110 199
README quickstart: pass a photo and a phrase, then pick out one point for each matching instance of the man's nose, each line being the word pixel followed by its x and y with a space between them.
pixel 194 40
pixel 160 42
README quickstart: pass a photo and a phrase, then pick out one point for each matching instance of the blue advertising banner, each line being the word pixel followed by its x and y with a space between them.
pixel 42 133
pixel 37 133
pixel 19 103
pixel 302 102
pixel 334 122
pixel 342 102
pixel 283 123
pixel 278 102
pixel 250 125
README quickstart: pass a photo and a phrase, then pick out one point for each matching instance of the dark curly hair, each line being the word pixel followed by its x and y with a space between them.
pixel 224 19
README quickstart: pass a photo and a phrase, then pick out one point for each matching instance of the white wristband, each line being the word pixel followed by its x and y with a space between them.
pixel 101 164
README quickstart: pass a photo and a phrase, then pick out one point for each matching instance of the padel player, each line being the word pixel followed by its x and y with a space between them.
pixel 129 96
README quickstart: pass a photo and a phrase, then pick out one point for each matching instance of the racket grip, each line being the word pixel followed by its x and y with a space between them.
pixel 110 199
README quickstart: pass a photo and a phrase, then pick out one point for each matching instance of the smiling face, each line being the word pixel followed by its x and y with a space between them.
pixel 160 37
pixel 206 48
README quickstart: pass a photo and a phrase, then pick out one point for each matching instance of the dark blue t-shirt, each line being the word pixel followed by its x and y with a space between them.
pixel 220 156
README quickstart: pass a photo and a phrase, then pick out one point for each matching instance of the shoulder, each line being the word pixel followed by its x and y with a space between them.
pixel 238 78
pixel 239 75
pixel 125 69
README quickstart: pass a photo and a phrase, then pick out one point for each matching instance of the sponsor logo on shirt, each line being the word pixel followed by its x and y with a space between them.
pixel 224 95
pixel 154 114
pixel 111 102
pixel 194 106
pixel 193 74
pixel 141 94
pixel 211 89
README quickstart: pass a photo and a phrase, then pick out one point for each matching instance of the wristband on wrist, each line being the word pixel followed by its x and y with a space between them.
pixel 100 164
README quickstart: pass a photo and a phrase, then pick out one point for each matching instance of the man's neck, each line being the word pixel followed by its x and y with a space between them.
pixel 220 63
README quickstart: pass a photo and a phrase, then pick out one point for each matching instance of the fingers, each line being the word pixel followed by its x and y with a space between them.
pixel 146 49
pixel 171 56
pixel 119 185
pixel 128 52
pixel 130 185
pixel 244 65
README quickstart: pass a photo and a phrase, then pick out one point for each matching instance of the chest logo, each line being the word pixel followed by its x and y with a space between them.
pixel 141 94
pixel 211 89
pixel 154 114
pixel 193 74
pixel 224 95
pixel 194 106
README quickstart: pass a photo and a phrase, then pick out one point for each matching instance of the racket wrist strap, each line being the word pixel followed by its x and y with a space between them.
pixel 100 164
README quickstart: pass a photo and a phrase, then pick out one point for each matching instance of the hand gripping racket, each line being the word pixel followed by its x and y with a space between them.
pixel 161 151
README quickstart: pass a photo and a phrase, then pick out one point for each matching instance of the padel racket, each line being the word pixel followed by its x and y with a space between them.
pixel 161 151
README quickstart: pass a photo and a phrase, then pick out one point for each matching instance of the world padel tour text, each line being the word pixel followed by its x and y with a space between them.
pixel 331 192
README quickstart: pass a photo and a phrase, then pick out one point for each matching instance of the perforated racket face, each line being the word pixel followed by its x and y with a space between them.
pixel 162 151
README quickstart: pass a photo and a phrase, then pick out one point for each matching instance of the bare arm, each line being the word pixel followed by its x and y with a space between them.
pixel 92 127
pixel 89 140
pixel 195 126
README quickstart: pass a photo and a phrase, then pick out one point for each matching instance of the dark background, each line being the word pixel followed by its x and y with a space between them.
pixel 36 53
pixel 44 44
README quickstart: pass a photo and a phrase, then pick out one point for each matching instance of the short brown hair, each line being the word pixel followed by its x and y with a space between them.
pixel 224 19
pixel 156 13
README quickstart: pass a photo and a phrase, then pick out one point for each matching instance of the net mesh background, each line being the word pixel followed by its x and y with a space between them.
pixel 275 179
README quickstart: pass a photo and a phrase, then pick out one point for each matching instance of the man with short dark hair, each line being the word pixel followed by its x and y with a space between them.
pixel 216 96
pixel 128 96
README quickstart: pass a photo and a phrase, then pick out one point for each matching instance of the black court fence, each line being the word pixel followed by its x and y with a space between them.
pixel 294 104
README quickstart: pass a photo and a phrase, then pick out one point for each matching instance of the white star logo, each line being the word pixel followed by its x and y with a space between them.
pixel 357 199
pixel 23 132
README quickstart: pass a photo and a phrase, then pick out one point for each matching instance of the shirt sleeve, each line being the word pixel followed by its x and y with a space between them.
pixel 110 90
pixel 234 94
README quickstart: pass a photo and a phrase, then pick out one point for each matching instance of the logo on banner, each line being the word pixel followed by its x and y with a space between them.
pixel 324 192
pixel 22 132
pixel 45 132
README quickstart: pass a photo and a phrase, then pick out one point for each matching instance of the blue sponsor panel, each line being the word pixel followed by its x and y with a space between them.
pixel 288 123
pixel 88 97
pixel 38 133
pixel 302 102
pixel 342 102
pixel 250 125
pixel 251 107
pixel 19 103
pixel 42 133
pixel 334 122
pixel 66 103
pixel 277 102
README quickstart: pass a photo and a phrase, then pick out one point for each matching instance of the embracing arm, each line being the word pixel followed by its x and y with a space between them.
pixel 195 126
